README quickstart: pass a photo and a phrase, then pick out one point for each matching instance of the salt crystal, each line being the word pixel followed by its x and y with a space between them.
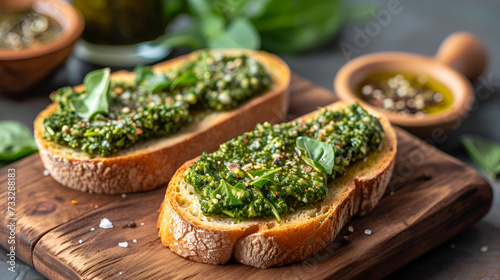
pixel 105 223
pixel 350 229
pixel 123 244
pixel 484 249
pixel 121 273
pixel 92 229
pixel 46 172
pixel 80 241
pixel 368 232
pixel 142 224
pixel 124 195
pixel 134 240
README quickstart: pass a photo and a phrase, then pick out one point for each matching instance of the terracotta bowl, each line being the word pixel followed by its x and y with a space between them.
pixel 460 57
pixel 21 69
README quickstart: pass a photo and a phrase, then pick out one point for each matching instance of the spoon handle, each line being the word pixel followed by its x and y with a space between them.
pixel 463 52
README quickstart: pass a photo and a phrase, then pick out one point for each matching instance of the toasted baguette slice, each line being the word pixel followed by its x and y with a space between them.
pixel 265 242
pixel 147 165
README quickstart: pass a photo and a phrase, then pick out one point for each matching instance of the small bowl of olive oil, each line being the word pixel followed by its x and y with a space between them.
pixel 427 96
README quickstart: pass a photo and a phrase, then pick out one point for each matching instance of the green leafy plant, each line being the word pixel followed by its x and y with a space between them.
pixel 95 99
pixel 16 141
pixel 317 154
pixel 274 25
pixel 484 152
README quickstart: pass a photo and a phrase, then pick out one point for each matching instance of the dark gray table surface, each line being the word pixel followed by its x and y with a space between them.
pixel 419 27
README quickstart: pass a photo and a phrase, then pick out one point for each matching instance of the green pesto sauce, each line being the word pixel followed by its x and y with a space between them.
pixel 225 179
pixel 139 112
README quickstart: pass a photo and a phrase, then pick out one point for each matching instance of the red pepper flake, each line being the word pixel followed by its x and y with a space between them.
pixel 232 166
pixel 260 135
pixel 138 131
pixel 118 90
pixel 238 176
pixel 320 136
pixel 305 190
pixel 307 169
pixel 296 155
pixel 253 160
pixel 249 158
pixel 119 118
pixel 245 140
pixel 74 202
pixel 239 214
pixel 276 193
pixel 338 144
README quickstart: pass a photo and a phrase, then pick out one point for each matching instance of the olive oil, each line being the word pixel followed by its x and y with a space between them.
pixel 405 93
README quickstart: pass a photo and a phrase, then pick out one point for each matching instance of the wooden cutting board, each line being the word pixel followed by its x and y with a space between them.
pixel 431 198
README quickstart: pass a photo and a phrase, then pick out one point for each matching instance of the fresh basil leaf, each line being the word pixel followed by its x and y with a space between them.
pixel 484 152
pixel 16 141
pixel 318 154
pixel 239 34
pixel 95 99
pixel 187 78
pixel 142 73
pixel 230 195
pixel 212 26
pixel 158 82
pixel 152 82
pixel 263 176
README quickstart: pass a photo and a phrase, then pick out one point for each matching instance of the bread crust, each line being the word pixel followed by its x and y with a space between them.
pixel 264 243
pixel 147 165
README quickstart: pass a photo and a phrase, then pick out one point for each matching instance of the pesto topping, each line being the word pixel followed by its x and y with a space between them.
pixel 110 116
pixel 274 170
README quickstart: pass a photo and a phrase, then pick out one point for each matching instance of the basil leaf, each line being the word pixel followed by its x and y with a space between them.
pixel 317 154
pixel 142 73
pixel 187 78
pixel 95 99
pixel 262 176
pixel 484 152
pixel 230 195
pixel 152 82
pixel 239 34
pixel 16 141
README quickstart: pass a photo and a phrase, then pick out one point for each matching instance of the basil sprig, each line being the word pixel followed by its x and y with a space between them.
pixel 317 154
pixel 155 82
pixel 95 99
pixel 187 78
pixel 484 153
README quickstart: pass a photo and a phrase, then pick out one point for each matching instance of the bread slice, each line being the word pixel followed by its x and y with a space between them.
pixel 265 242
pixel 147 165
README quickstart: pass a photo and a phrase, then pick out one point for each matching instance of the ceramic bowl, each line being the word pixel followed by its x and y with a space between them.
pixel 21 69
pixel 460 58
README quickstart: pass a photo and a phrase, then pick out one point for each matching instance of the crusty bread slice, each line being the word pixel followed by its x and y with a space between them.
pixel 147 165
pixel 265 242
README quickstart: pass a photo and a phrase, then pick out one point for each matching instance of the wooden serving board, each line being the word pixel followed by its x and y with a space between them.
pixel 431 198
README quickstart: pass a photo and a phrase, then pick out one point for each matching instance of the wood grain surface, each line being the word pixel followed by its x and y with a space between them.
pixel 431 198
